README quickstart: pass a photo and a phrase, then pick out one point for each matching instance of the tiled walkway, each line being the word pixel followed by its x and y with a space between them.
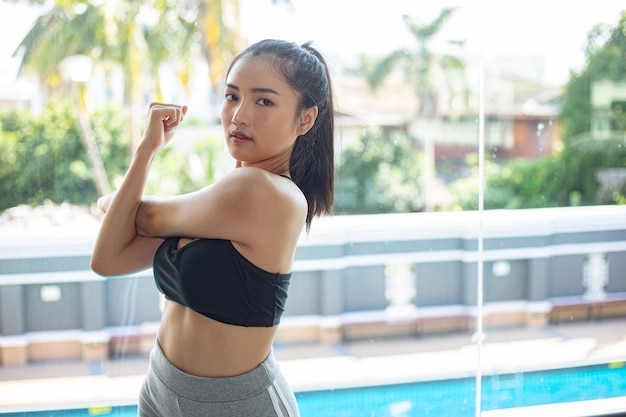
pixel 307 367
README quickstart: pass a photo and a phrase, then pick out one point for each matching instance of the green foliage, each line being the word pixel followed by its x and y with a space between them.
pixel 523 183
pixel 516 184
pixel 378 174
pixel 576 106
pixel 584 159
pixel 176 172
pixel 110 127
pixel 569 177
pixel 14 126
pixel 566 180
pixel 43 158
pixel 584 155
pixel 605 61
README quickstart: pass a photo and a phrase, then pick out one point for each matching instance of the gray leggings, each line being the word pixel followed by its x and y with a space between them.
pixel 169 392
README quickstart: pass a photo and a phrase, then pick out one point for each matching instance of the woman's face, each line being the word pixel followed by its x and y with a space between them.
pixel 259 115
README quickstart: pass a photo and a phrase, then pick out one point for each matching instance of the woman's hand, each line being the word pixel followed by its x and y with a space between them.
pixel 105 201
pixel 163 119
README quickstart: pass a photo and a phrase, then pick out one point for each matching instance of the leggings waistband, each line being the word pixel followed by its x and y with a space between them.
pixel 217 389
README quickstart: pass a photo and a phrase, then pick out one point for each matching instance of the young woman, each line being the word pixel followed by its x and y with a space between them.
pixel 222 255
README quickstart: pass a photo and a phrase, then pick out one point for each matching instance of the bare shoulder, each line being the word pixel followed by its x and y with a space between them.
pixel 251 205
pixel 266 194
pixel 272 217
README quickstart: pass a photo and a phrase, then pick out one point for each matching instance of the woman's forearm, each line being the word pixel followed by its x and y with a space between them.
pixel 118 231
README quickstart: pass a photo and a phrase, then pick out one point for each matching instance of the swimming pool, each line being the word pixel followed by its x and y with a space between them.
pixel 456 397
pixel 446 398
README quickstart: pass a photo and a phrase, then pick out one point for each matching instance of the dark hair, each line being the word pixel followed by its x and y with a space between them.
pixel 312 160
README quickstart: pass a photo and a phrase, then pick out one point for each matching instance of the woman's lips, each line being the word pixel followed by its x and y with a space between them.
pixel 239 137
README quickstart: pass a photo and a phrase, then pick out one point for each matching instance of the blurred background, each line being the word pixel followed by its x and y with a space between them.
pixel 480 190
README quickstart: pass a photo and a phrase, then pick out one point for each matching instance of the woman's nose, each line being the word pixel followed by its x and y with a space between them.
pixel 240 116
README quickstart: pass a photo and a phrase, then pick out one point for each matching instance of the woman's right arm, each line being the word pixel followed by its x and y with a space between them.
pixel 119 249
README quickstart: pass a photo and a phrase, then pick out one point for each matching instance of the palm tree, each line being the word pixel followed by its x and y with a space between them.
pixel 419 67
pixel 138 36
pixel 219 26
pixel 36 48
pixel 115 33
pixel 56 34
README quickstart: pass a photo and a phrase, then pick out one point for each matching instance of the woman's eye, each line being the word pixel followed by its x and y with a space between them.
pixel 264 102
pixel 230 97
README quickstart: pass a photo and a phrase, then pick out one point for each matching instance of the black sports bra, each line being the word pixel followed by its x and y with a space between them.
pixel 212 278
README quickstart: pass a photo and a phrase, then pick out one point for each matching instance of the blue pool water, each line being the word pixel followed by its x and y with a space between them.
pixel 456 397
pixel 446 398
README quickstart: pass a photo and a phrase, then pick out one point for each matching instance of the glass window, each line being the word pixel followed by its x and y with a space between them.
pixel 473 265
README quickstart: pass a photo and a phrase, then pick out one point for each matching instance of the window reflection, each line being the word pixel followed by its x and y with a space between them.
pixel 385 291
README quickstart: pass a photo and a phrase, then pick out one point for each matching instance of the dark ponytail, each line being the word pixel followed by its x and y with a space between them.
pixel 312 160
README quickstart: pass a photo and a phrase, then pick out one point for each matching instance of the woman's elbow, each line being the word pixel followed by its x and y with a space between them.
pixel 104 262
pixel 147 219
pixel 154 219
pixel 100 267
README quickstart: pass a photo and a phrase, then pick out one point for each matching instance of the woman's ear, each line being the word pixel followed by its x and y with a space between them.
pixel 307 120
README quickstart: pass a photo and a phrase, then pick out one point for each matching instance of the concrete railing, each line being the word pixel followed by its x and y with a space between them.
pixel 354 277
